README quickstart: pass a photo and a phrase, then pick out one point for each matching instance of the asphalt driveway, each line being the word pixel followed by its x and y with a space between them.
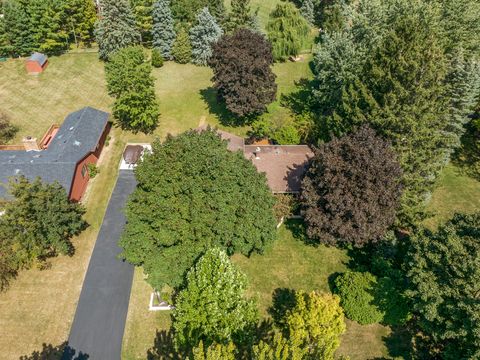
pixel 99 323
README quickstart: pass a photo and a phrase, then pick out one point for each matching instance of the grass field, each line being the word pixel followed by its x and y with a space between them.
pixel 39 306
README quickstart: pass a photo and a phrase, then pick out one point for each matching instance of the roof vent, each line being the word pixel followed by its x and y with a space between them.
pixel 77 143
pixel 73 127
pixel 17 171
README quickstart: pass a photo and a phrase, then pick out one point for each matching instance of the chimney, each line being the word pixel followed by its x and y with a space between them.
pixel 30 144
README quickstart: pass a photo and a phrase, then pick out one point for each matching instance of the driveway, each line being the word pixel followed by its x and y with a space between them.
pixel 99 323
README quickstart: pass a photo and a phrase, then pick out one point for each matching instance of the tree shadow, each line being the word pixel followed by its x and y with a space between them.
pixel 298 229
pixel 50 352
pixel 301 100
pixel 164 347
pixel 399 342
pixel 283 300
pixel 217 107
pixel 467 156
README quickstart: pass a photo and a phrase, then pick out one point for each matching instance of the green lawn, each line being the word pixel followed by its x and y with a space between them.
pixel 455 192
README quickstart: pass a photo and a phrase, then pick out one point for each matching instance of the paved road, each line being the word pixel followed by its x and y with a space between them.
pixel 99 322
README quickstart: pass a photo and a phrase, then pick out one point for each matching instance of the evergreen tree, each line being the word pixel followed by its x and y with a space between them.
pixel 287 31
pixel 203 36
pixel 7 129
pixel 19 37
pixel 307 11
pixel 129 79
pixel 116 28
pixel 142 9
pixel 217 9
pixel 80 21
pixel 214 352
pixel 182 49
pixel 240 16
pixel 444 273
pixel 163 28
pixel 213 308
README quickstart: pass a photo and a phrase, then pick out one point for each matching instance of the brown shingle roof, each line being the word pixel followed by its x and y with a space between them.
pixel 284 165
pixel 234 142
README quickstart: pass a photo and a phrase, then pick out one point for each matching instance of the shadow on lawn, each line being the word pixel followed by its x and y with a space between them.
pixel 50 352
pixel 217 107
pixel 163 347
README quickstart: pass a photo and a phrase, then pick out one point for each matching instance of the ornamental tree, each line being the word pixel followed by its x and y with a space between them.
pixel 240 16
pixel 444 272
pixel 352 190
pixel 315 324
pixel 243 76
pixel 193 194
pixel 308 11
pixel 203 35
pixel 116 27
pixel 163 30
pixel 287 31
pixel 213 308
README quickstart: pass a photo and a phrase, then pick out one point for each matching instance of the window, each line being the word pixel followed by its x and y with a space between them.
pixel 84 170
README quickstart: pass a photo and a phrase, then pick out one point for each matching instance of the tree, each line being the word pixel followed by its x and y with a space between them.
pixel 193 194
pixel 7 130
pixel 137 110
pixel 213 308
pixel 315 324
pixel 203 36
pixel 163 28
pixel 142 9
pixel 276 349
pixel 40 221
pixel 116 27
pixel 352 190
pixel 182 49
pixel 214 352
pixel 129 79
pixel 157 59
pixel 80 21
pixel 307 11
pixel 243 76
pixel 444 272
pixel 287 31
pixel 217 9
pixel 9 264
pixel 240 16
pixel 357 293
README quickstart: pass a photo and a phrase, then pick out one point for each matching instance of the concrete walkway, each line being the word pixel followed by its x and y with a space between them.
pixel 99 323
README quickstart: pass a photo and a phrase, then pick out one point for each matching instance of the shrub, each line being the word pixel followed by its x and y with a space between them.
pixel 182 48
pixel 7 130
pixel 287 135
pixel 93 170
pixel 357 294
pixel 157 59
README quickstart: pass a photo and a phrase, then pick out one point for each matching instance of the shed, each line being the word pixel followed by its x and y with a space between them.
pixel 36 63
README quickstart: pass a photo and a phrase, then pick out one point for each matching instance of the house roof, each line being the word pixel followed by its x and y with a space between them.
pixel 283 165
pixel 234 142
pixel 39 58
pixel 76 138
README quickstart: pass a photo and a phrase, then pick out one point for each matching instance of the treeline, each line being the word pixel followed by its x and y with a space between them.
pixel 49 26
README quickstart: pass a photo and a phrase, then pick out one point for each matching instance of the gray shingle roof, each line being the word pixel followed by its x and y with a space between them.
pixel 77 137
pixel 39 58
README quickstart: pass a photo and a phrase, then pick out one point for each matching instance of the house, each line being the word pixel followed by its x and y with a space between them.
pixel 283 165
pixel 36 63
pixel 63 155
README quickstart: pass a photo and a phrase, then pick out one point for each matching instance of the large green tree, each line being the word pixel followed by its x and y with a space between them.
pixel 352 189
pixel 240 15
pixel 213 308
pixel 182 48
pixel 142 9
pixel 37 224
pixel 129 79
pixel 203 35
pixel 243 76
pixel 163 30
pixel 193 194
pixel 116 27
pixel 287 31
pixel 444 272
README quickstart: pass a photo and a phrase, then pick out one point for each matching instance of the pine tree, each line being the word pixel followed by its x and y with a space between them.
pixel 163 28
pixel 182 49
pixel 116 28
pixel 307 11
pixel 80 21
pixel 287 31
pixel 240 16
pixel 142 10
pixel 203 36
pixel 217 9
pixel 20 33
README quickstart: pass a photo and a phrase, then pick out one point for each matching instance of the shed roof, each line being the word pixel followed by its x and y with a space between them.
pixel 76 138
pixel 39 58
